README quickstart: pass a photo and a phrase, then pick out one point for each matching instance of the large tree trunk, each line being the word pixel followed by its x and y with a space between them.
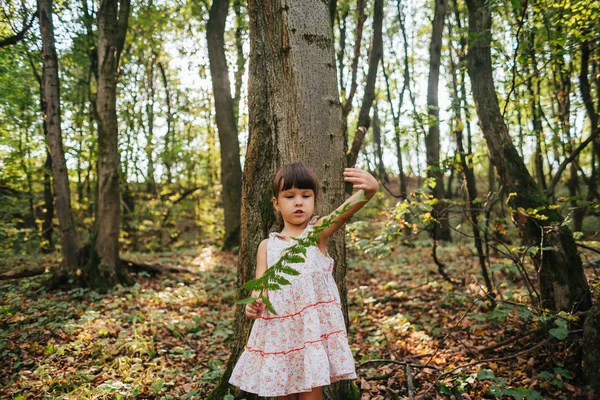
pixel 50 90
pixel 105 269
pixel 231 170
pixel 562 283
pixel 432 140
pixel 295 115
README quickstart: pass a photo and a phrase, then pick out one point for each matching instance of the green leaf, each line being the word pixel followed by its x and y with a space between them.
pixel 247 300
pixel 533 395
pixel 485 374
pixel 560 333
pixel 289 270
pixel 444 390
pixel 294 258
pixel 282 281
pixel 516 5
pixel 157 385
pixel 563 372
pixel 269 305
pixel 546 375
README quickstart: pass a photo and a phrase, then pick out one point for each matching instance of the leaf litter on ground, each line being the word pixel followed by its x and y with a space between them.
pixel 166 336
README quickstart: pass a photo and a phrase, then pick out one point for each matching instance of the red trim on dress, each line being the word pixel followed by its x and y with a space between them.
pixel 291 315
pixel 263 353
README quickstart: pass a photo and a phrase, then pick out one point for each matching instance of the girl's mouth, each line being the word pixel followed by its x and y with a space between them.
pixel 298 212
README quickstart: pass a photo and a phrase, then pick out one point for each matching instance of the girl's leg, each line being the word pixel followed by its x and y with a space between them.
pixel 293 396
pixel 315 394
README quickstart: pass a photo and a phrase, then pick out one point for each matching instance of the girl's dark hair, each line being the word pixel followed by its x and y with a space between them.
pixel 295 175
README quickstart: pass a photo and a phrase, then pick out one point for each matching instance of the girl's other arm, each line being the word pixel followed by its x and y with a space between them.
pixel 255 309
pixel 362 180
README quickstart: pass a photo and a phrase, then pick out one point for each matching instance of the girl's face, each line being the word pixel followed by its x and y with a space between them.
pixel 295 205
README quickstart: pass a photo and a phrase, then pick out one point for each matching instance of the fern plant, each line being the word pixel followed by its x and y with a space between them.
pixel 273 278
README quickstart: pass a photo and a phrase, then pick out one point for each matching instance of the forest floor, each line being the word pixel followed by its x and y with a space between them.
pixel 166 337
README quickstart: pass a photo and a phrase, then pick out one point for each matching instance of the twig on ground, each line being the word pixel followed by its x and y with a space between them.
pixel 386 361
pixel 509 340
pixel 410 384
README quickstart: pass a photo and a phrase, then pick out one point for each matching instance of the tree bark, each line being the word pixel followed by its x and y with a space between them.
pixel 104 269
pixel 47 241
pixel 231 170
pixel 169 136
pixel 432 140
pixel 51 94
pixel 562 283
pixel 591 347
pixel 294 115
pixel 149 148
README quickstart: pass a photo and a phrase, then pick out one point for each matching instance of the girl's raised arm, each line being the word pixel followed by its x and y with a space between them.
pixel 368 187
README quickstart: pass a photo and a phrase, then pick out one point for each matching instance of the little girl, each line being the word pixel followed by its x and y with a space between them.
pixel 293 354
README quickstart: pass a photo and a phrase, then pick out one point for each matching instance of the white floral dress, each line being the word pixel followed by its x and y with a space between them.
pixel 305 345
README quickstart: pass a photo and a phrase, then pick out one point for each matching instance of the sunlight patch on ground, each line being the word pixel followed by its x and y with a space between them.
pixel 206 260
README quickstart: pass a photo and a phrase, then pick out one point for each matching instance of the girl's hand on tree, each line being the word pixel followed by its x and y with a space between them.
pixel 362 180
pixel 255 309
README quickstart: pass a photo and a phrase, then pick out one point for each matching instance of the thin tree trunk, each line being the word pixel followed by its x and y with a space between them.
pixel 50 88
pixel 169 136
pixel 105 268
pixel 396 117
pixel 364 118
pixel 562 283
pixel 294 116
pixel 341 51
pixel 432 140
pixel 381 173
pixel 47 241
pixel 231 170
pixel 150 181
pixel 360 21
pixel 361 17
pixel 240 27
pixel 47 245
pixel 533 89
pixel 23 146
